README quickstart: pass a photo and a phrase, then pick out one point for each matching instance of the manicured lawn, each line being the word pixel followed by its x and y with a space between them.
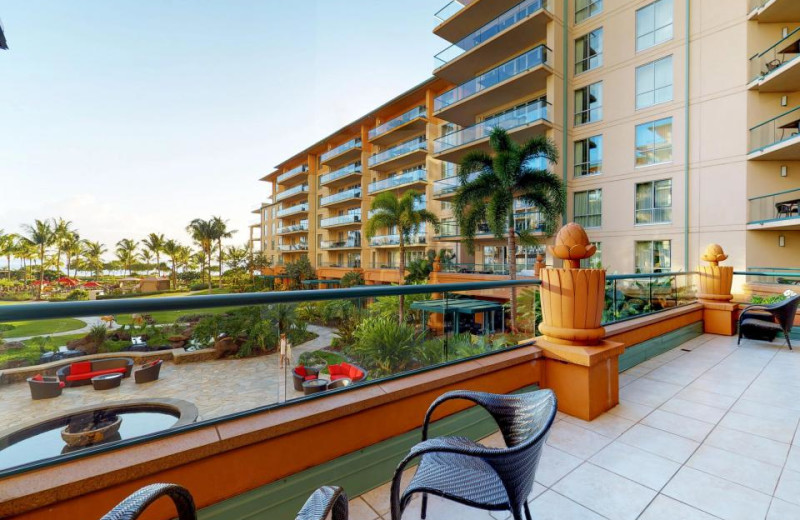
pixel 31 352
pixel 215 290
pixel 163 317
pixel 42 327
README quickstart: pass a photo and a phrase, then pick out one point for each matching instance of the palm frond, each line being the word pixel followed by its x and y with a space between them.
pixel 539 146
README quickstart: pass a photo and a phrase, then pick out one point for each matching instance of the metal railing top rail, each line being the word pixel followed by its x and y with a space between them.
pixel 639 276
pixel 774 194
pixel 764 273
pixel 774 268
pixel 775 118
pixel 776 44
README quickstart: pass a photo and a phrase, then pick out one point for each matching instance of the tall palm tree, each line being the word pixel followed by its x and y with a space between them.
pixel 126 253
pixel 26 252
pixel 63 231
pixel 172 249
pixel 155 244
pixel 72 246
pixel 93 252
pixel 221 231
pixel 147 259
pixel 41 235
pixel 204 234
pixel 8 246
pixel 391 211
pixel 508 173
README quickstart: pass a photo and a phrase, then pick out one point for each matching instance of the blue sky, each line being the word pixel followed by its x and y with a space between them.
pixel 129 117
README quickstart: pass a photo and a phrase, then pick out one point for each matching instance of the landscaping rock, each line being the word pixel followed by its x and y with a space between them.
pixel 225 346
pixel 86 345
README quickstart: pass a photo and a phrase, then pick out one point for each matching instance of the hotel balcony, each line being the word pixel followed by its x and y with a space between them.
pixel 527 221
pixel 350 243
pixel 520 27
pixel 522 124
pixel 291 248
pixel 394 240
pixel 459 18
pixel 777 69
pixel 402 127
pixel 775 211
pixel 338 199
pixel 293 210
pixel 400 156
pixel 341 176
pixel 774 11
pixel 352 219
pixel 416 178
pixel 293 176
pixel 445 188
pixel 503 84
pixel 777 139
pixel 298 192
pixel 302 227
pixel 342 154
pixel 419 204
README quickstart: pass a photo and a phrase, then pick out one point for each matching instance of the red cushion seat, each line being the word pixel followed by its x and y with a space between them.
pixel 310 377
pixel 37 377
pixel 338 376
pixel 82 367
pixel 89 375
pixel 300 371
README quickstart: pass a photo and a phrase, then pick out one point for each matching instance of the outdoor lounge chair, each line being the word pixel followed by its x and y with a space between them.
pixel 301 374
pixel 494 479
pixel 149 372
pixel 44 387
pixel 767 321
pixel 81 372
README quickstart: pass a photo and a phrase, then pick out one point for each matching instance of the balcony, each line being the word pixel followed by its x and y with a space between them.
pixel 520 27
pixel 774 11
pixel 531 222
pixel 403 180
pixel 446 188
pixel 777 139
pixel 400 156
pixel 340 198
pixel 411 123
pixel 777 69
pixel 775 211
pixel 351 219
pixel 294 175
pixel 342 154
pixel 291 248
pixel 394 240
pixel 522 124
pixel 419 204
pixel 341 176
pixel 302 227
pixel 350 243
pixel 459 18
pixel 512 80
pixel 292 193
pixel 293 210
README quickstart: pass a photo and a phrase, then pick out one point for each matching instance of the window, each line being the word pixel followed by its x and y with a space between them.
pixel 447 206
pixel 653 24
pixel 585 9
pixel 653 257
pixel 654 202
pixel 654 83
pixel 654 142
pixel 589 104
pixel 596 260
pixel 588 210
pixel 589 51
pixel 589 156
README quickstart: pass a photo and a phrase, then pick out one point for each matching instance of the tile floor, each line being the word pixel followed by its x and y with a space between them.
pixel 707 430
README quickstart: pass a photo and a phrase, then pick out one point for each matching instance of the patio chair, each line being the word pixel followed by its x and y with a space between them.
pixel 494 479
pixel 149 372
pixel 767 321
pixel 45 387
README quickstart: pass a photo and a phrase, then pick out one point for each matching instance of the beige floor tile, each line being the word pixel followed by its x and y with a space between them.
pixel 360 510
pixel 789 487
pixel 754 446
pixel 649 392
pixel 698 411
pixel 707 398
pixel 609 425
pixel 553 506
pixel 782 510
pixel 666 508
pixel 678 424
pixel 737 468
pixel 554 465
pixel 609 494
pixel 577 441
pixel 766 411
pixel 781 430
pixel 793 460
pixel 659 442
pixel 717 496
pixel 631 411
pixel 637 465
pixel 669 374
pixel 536 490
pixel 441 509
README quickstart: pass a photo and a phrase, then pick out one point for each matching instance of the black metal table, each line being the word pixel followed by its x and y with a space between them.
pixel 315 385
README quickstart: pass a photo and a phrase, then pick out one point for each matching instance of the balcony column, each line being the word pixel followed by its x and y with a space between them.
pixel 313 182
pixel 580 367
pixel 366 200
pixel 719 314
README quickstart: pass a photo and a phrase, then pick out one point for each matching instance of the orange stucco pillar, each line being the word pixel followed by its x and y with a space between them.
pixel 719 315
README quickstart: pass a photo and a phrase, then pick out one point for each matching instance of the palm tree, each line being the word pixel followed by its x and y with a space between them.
pixel 507 174
pixel 93 251
pixel 204 233
pixel 155 245
pixel 147 259
pixel 26 252
pixel 63 232
pixel 172 249
pixel 72 246
pixel 220 231
pixel 391 211
pixel 237 256
pixel 126 253
pixel 8 246
pixel 42 236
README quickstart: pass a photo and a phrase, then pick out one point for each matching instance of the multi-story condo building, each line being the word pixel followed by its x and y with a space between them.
pixel 677 123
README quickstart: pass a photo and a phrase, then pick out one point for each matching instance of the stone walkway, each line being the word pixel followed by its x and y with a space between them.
pixel 708 430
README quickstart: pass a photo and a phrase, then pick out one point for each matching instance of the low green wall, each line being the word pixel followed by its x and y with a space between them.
pixel 653 347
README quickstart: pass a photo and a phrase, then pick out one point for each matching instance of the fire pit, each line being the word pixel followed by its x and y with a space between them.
pixel 91 428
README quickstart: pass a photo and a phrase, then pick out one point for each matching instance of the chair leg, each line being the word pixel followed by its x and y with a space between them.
pixel 527 512
pixel 788 341
pixel 424 509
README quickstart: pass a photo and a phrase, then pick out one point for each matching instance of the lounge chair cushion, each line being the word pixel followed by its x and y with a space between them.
pixel 310 377
pixel 83 367
pixel 89 375
pixel 38 377
pixel 762 324
pixel 300 371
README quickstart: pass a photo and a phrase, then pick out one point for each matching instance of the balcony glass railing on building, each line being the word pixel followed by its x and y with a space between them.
pixel 282 195
pixel 398 180
pixel 785 51
pixel 419 204
pixel 291 173
pixel 449 10
pixel 784 127
pixel 524 221
pixel 775 207
pixel 394 239
pixel 342 148
pixel 520 117
pixel 388 126
pixel 351 169
pixel 352 193
pixel 396 151
pixel 450 184
pixel 508 19
pixel 294 228
pixel 514 67
pixel 341 220
pixel 302 246
pixel 291 210
pixel 349 243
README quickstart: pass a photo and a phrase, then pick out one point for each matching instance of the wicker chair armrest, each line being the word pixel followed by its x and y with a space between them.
pixel 133 506
pixel 478 398
pixel 323 501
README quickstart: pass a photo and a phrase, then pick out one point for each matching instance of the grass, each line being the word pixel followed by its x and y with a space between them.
pixel 163 317
pixel 215 290
pixel 31 353
pixel 42 327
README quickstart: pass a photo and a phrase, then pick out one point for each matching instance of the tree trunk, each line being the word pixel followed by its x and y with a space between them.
pixel 8 262
pixel 208 262
pixel 402 268
pixel 512 273
pixel 158 264
pixel 219 246
pixel 41 273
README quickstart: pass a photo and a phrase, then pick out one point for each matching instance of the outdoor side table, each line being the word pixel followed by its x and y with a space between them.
pixel 340 383
pixel 106 381
pixel 315 385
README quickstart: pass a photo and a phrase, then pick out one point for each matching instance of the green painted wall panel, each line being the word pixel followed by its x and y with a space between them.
pixel 653 347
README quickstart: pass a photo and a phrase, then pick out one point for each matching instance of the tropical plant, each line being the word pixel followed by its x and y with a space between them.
pixel 351 279
pixel 384 346
pixel 126 253
pixel 420 269
pixel 154 244
pixel 41 235
pixel 219 229
pixel 93 251
pixel 298 271
pixel 237 256
pixel 62 229
pixel 529 309
pixel 204 234
pixel 332 312
pixel 72 246
pixel 385 306
pixel 8 247
pixel 392 212
pixel 509 173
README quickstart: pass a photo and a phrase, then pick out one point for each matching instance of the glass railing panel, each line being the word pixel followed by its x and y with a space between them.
pixel 397 151
pixel 631 296
pixel 293 247
pixel 302 226
pixel 338 174
pixel 789 276
pixel 352 193
pixel 398 180
pixel 784 205
pixel 341 220
pixel 508 19
pixel 412 114
pixel 341 244
pixel 509 121
pixel 780 128
pixel 299 208
pixel 449 10
pixel 281 195
pixel 784 52
pixel 419 204
pixel 291 173
pixel 342 148
pixel 394 239
pixel 514 67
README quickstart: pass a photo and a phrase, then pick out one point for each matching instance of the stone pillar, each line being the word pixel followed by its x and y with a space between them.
pixel 580 367
pixel 719 315
pixel 539 265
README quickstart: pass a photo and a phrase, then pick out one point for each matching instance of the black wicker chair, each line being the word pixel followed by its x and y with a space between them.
pixel 325 500
pixel 767 321
pixel 494 479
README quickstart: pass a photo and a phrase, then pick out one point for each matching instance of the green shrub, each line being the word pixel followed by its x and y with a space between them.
pixel 5 327
pixel 298 271
pixel 198 287
pixel 384 346
pixel 351 279
pixel 98 333
pixel 332 312
pixel 78 295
